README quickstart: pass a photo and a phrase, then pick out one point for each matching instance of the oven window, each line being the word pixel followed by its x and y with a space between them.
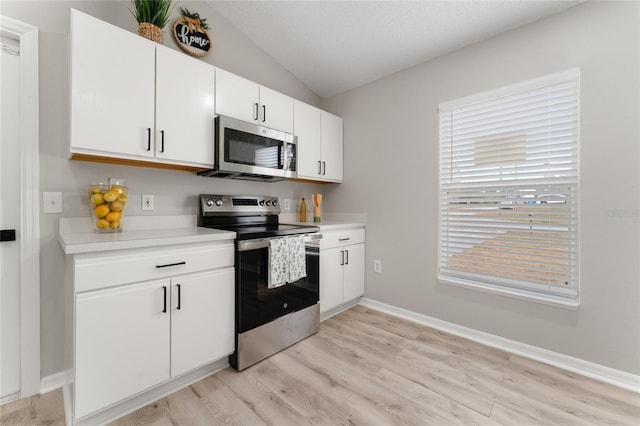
pixel 257 304
pixel 253 150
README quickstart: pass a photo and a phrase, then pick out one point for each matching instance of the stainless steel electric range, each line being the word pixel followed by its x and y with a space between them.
pixel 268 318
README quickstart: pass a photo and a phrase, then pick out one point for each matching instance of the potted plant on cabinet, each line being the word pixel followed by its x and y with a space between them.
pixel 152 16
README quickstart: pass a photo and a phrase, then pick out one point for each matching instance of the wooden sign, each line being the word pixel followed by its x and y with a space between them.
pixel 192 37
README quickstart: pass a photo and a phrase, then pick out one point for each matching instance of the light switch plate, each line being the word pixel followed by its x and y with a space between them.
pixel 52 202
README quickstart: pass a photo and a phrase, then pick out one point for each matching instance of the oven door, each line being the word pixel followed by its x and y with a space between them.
pixel 256 304
pixel 243 147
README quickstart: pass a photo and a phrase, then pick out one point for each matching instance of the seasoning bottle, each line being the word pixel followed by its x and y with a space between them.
pixel 303 211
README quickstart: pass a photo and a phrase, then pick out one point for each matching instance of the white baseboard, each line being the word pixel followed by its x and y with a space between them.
pixel 52 382
pixel 586 368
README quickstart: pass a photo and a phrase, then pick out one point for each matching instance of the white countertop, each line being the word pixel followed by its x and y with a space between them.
pixel 329 222
pixel 77 235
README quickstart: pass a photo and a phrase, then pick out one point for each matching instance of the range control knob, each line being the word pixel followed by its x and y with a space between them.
pixel 275 203
pixel 219 203
pixel 261 202
pixel 209 203
pixel 268 203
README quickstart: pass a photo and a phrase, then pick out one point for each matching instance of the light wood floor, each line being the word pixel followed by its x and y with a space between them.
pixel 368 368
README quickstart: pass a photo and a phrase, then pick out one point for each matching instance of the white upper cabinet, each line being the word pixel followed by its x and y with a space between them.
pixel 331 137
pixel 245 100
pixel 306 125
pixel 236 97
pixel 112 89
pixel 185 90
pixel 135 100
pixel 276 110
pixel 320 143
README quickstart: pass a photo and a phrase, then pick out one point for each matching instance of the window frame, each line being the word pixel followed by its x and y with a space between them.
pixel 569 299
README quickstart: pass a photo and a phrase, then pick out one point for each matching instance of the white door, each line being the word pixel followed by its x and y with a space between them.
pixel 202 319
pixel 353 272
pixel 276 110
pixel 332 146
pixel 112 89
pixel 331 271
pixel 236 97
pixel 184 108
pixel 122 343
pixel 9 219
pixel 306 126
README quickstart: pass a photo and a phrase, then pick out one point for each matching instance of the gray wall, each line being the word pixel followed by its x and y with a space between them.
pixel 391 158
pixel 175 192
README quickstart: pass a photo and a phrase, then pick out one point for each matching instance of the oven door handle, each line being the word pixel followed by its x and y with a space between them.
pixel 264 243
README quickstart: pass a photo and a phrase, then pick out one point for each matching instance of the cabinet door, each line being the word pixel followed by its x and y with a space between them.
pixel 332 146
pixel 202 319
pixel 276 110
pixel 306 126
pixel 121 343
pixel 353 272
pixel 330 279
pixel 112 90
pixel 236 97
pixel 184 108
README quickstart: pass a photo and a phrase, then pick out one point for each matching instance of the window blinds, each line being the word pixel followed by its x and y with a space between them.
pixel 509 189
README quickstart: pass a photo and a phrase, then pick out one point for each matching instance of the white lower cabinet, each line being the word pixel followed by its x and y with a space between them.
pixel 341 267
pixel 122 344
pixel 130 337
pixel 200 310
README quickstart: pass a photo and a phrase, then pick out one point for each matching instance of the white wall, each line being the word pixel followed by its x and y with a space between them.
pixel 391 172
pixel 175 192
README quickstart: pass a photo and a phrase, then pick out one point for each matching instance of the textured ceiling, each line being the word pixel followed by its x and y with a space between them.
pixel 334 46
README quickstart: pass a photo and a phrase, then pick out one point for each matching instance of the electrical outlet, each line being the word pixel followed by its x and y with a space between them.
pixel 287 205
pixel 147 202
pixel 52 202
pixel 377 266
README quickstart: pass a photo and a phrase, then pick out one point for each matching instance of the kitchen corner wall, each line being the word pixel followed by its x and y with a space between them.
pixel 391 172
pixel 175 192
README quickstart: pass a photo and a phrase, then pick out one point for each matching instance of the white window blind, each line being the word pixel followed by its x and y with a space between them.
pixel 509 190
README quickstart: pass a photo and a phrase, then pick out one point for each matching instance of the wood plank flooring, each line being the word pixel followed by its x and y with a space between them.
pixel 368 368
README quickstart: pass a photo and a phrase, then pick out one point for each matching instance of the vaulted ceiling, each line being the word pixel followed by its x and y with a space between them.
pixel 334 46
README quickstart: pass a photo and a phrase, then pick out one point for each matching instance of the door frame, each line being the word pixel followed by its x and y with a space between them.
pixel 29 204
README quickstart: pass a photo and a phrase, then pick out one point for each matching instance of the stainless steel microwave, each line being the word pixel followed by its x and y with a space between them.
pixel 248 151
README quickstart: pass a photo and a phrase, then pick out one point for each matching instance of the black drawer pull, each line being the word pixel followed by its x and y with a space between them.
pixel 344 239
pixel 171 264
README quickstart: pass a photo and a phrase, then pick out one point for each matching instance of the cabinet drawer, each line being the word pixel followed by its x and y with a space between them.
pixel 105 269
pixel 331 239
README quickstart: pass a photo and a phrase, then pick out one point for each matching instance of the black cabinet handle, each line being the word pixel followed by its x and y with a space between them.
pixel 148 138
pixel 178 307
pixel 324 168
pixel 8 235
pixel 344 239
pixel 264 113
pixel 171 264
pixel 164 305
pixel 346 262
pixel 319 167
pixel 161 140
pixel 341 257
pixel 255 115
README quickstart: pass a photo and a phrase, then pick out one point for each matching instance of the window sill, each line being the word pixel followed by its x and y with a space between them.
pixel 552 300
